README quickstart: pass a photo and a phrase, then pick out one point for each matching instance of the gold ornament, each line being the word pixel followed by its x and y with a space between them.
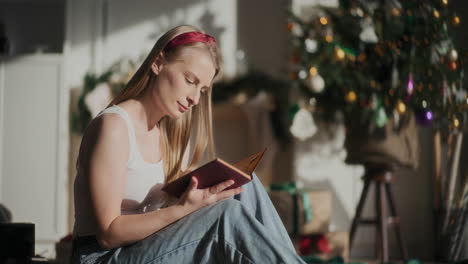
pixel 351 97
pixel 456 122
pixel 436 14
pixel 340 53
pixel 313 71
pixel 456 20
pixel 445 2
pixel 328 38
pixel 323 21
pixel 401 107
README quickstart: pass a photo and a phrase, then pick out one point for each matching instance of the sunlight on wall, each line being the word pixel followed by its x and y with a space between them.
pixel 120 29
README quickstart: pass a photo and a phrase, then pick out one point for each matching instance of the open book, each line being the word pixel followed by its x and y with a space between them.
pixel 215 172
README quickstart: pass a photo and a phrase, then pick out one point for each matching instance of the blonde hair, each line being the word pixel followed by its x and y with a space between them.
pixel 175 133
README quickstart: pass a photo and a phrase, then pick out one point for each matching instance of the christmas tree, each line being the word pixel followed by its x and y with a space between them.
pixel 382 59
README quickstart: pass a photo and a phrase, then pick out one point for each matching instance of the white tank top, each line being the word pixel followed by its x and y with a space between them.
pixel 142 191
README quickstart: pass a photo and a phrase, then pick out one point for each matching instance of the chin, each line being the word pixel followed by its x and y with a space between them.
pixel 176 115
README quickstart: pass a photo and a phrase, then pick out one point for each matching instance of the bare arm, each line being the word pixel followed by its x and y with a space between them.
pixel 105 164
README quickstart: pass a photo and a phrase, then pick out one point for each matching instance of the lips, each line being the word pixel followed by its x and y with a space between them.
pixel 182 108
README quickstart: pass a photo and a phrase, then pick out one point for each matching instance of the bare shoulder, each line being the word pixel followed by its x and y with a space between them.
pixel 108 134
pixel 107 125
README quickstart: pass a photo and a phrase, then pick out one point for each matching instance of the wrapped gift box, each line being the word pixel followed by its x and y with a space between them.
pixel 292 209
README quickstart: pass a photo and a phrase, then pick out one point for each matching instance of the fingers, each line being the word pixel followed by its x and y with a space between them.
pixel 228 193
pixel 193 183
pixel 221 186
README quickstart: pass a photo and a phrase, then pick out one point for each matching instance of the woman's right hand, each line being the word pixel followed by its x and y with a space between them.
pixel 193 198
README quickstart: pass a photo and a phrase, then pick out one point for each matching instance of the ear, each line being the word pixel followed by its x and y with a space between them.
pixel 158 63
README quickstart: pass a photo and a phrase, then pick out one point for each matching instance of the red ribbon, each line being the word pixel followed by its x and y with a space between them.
pixel 190 37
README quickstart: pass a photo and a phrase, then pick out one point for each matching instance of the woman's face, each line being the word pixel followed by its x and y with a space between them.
pixel 180 83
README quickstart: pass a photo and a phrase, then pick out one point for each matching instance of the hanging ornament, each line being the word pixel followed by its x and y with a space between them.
pixel 313 71
pixel 315 83
pixel 340 54
pixel 445 2
pixel 436 13
pixel 310 45
pixel 410 86
pixel 328 38
pixel 351 97
pixel 401 107
pixel 368 34
pixel 380 117
pixel 453 65
pixel 302 74
pixel 453 54
pixel 455 20
pixel 456 122
pixel 323 21
pixel 424 104
pixel 303 125
pixel 424 117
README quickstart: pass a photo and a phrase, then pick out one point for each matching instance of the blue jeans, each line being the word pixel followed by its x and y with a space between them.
pixel 246 229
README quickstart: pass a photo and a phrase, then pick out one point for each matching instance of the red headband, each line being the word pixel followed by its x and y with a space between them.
pixel 190 37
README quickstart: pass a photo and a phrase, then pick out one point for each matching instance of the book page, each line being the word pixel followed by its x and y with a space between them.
pixel 249 164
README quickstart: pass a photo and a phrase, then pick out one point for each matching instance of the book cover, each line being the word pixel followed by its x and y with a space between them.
pixel 217 171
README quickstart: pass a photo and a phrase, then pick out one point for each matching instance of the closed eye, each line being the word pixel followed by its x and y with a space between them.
pixel 189 81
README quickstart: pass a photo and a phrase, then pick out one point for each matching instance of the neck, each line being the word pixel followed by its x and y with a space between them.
pixel 149 111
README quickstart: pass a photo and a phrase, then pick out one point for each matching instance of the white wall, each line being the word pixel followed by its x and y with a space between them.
pixel 101 32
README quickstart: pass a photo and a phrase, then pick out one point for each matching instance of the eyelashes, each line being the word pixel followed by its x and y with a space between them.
pixel 202 91
pixel 189 81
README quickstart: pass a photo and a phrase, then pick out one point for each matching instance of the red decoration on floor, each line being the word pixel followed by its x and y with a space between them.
pixel 314 244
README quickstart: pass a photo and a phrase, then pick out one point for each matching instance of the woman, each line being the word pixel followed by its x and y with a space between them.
pixel 140 142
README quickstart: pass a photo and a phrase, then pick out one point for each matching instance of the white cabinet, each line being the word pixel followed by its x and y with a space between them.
pixel 33 145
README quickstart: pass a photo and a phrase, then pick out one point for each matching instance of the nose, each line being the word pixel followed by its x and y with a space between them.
pixel 194 99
